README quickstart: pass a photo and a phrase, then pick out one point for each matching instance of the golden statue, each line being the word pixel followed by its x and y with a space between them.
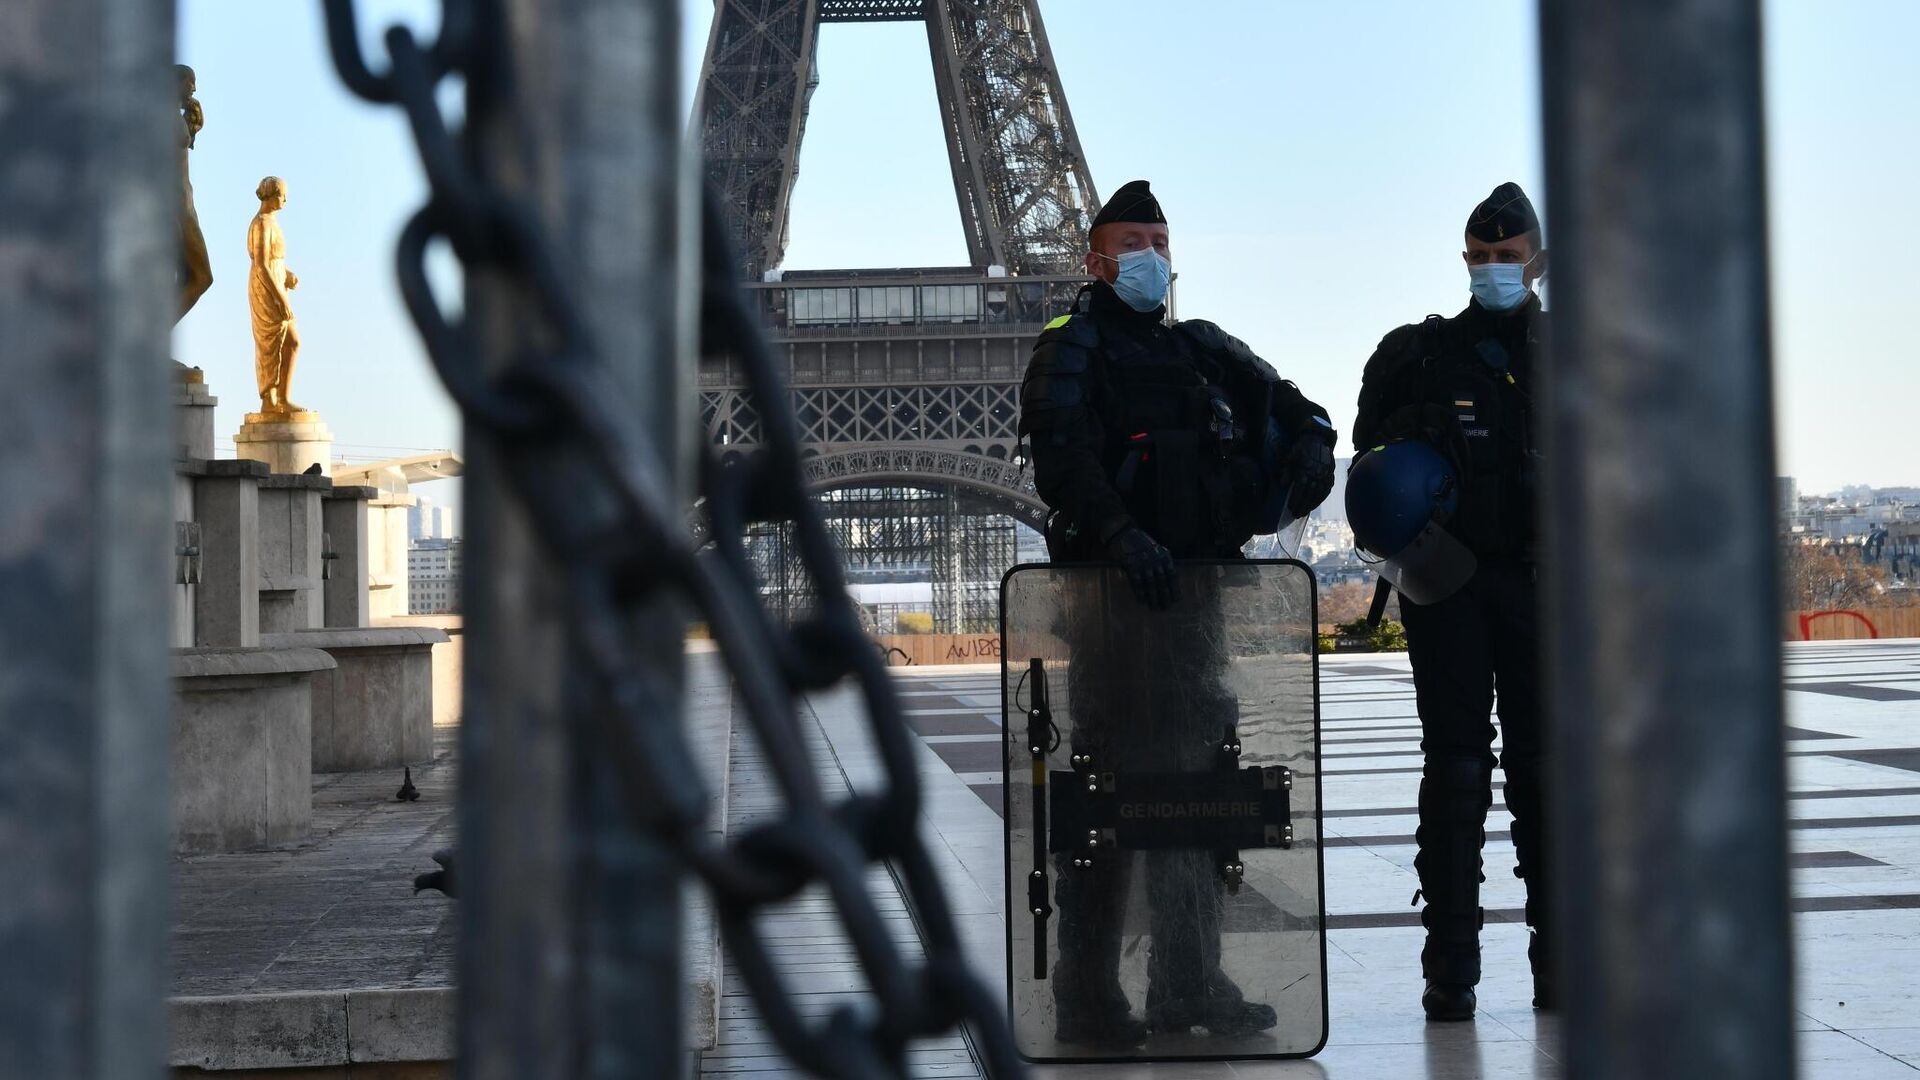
pixel 276 340
pixel 196 270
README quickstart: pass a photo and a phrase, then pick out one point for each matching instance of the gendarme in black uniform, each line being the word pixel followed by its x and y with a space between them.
pixel 1137 423
pixel 1466 385
pixel 1151 442
pixel 1124 415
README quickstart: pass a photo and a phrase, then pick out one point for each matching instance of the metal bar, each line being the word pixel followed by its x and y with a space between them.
pixel 1082 173
pixel 571 918
pixel 1664 651
pixel 89 236
pixel 805 74
pixel 985 245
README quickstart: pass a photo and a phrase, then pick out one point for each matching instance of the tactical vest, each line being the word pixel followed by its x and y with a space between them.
pixel 1187 431
pixel 1475 381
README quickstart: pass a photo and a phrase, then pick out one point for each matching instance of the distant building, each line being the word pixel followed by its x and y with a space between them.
pixel 1901 549
pixel 427 520
pixel 1855 514
pixel 433 576
pixel 1335 508
pixel 1787 498
pixel 1029 546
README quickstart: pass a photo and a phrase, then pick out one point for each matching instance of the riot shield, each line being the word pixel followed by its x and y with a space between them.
pixel 1164 886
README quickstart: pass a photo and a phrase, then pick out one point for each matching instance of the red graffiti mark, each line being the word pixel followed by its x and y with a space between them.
pixel 1806 623
pixel 978 648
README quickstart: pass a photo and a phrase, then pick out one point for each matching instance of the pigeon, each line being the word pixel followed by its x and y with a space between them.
pixel 407 792
pixel 313 469
pixel 441 879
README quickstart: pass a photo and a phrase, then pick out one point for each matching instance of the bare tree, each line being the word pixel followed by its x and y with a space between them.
pixel 1826 577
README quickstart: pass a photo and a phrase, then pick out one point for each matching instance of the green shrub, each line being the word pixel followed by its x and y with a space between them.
pixel 1389 636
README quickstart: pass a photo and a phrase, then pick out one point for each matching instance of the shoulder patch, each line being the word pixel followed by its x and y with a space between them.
pixel 1073 327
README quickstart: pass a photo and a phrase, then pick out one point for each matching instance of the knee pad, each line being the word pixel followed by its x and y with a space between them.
pixel 1460 782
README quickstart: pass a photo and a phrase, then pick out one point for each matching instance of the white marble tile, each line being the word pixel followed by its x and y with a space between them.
pixel 1868 959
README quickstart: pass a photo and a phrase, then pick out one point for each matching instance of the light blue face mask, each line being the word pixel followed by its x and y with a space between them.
pixel 1499 286
pixel 1143 278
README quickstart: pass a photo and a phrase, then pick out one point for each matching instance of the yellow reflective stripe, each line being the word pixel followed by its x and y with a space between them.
pixel 1059 322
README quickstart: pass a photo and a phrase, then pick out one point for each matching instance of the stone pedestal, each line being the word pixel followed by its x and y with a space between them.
pixel 289 443
pixel 193 406
pixel 226 508
pixel 449 662
pixel 242 761
pixel 292 545
pixel 343 514
pixel 374 709
pixel 387 555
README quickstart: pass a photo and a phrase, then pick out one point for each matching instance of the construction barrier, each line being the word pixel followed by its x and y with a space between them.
pixel 920 650
pixel 1853 624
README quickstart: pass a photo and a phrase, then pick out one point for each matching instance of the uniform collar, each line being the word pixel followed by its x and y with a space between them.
pixel 1500 321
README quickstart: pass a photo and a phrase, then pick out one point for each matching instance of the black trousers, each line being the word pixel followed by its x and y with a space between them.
pixel 1145 694
pixel 1479 645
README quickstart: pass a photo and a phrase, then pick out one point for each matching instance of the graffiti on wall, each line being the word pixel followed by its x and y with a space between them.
pixel 979 647
pixel 1807 618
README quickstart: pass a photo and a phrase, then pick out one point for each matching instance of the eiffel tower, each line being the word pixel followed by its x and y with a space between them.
pixel 906 382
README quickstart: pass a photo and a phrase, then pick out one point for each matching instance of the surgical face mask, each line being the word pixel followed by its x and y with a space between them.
pixel 1143 278
pixel 1499 286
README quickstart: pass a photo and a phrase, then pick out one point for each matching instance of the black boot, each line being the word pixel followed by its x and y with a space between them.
pixel 1546 974
pixel 1526 797
pixel 1455 792
pixel 1444 1001
pixel 1186 987
pixel 1220 1007
pixel 1112 1027
pixel 1221 1017
pixel 1090 1005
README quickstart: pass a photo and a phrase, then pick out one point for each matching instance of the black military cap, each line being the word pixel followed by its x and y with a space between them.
pixel 1133 202
pixel 1507 212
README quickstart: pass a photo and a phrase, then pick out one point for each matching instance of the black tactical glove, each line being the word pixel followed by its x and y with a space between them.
pixel 1148 565
pixel 1309 470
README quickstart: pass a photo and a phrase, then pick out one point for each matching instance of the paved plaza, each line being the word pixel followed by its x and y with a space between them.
pixel 1854 747
pixel 338 914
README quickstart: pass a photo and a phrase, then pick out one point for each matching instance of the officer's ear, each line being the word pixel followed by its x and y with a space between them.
pixel 1536 267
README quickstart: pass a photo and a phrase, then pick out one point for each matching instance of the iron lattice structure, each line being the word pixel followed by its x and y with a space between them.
pixel 901 535
pixel 1023 186
pixel 905 382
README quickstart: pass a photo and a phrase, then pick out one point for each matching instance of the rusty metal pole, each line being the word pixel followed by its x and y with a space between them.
pixel 571 920
pixel 89 245
pixel 1665 643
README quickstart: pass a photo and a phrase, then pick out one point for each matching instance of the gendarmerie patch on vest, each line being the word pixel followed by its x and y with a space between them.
pixel 1465 409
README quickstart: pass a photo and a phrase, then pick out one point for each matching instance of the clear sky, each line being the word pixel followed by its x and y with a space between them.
pixel 1316 162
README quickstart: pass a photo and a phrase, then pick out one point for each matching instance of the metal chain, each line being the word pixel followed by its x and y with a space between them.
pixel 557 420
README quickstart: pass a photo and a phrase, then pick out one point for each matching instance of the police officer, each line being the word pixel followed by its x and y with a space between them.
pixel 1155 441
pixel 1466 386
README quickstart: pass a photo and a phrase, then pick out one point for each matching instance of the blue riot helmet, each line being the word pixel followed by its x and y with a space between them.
pixel 1399 499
